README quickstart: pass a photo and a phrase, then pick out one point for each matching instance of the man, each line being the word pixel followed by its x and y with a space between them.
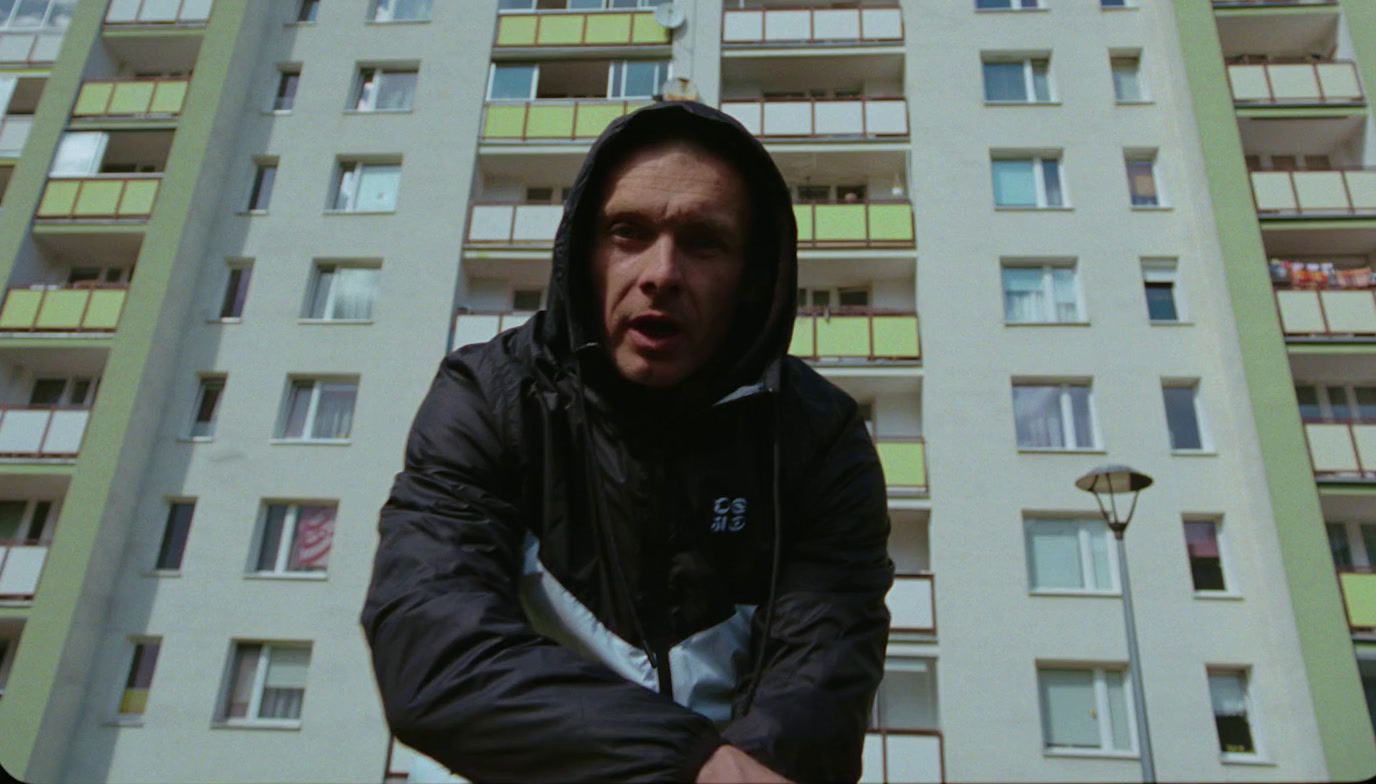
pixel 632 539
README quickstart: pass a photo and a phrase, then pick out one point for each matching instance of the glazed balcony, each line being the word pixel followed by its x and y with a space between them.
pixel 28 47
pixel 104 198
pixel 557 28
pixel 1315 194
pixel 911 756
pixel 42 431
pixel 14 134
pixel 131 98
pixel 21 563
pixel 553 119
pixel 806 119
pixel 1342 450
pixel 1296 83
pixel 45 309
pixel 912 603
pixel 1359 597
pixel 855 335
pixel 181 13
pixel 808 26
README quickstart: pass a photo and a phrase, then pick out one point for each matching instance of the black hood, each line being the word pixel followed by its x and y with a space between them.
pixel 763 327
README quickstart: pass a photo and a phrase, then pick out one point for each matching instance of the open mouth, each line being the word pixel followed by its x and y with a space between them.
pixel 656 326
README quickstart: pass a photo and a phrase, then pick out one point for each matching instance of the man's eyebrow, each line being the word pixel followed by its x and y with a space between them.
pixel 717 223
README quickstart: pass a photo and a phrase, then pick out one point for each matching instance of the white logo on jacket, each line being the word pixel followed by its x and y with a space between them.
pixel 728 515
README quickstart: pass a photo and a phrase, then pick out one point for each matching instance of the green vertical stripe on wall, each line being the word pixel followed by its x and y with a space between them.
pixel 1345 728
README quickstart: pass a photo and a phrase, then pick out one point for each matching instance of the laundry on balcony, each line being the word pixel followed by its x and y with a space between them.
pixel 1319 275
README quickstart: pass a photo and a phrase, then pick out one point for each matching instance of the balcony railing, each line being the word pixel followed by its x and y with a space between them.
pixel 20 565
pixel 1359 596
pixel 482 326
pixel 42 431
pixel 822 118
pixel 553 119
pixel 1307 312
pixel 903 756
pixel 1300 83
pixel 1315 194
pixel 580 28
pixel 29 47
pixel 904 459
pixel 812 25
pixel 86 309
pixel 1256 3
pixel 856 335
pixel 1342 450
pixel 131 98
pixel 103 197
pixel 14 132
pixel 158 12
pixel 514 224
pixel 875 224
pixel 912 604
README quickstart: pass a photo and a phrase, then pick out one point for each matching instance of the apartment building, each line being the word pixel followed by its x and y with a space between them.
pixel 1035 236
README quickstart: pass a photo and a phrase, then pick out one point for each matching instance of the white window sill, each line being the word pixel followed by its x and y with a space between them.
pixel 332 321
pixel 379 111
pixel 252 212
pixel 1095 753
pixel 195 439
pixel 312 441
pixel 988 102
pixel 1193 453
pixel 1117 8
pixel 1177 323
pixel 361 212
pixel 1016 208
pixel 124 721
pixel 1072 592
pixel 1046 450
pixel 396 21
pixel 299 23
pixel 1245 759
pixel 1136 102
pixel 1009 10
pixel 1046 323
pixel 307 576
pixel 225 320
pixel 276 111
pixel 1223 595
pixel 257 724
pixel 163 573
pixel 1151 207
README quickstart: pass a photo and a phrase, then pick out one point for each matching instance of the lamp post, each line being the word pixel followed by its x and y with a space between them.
pixel 1113 480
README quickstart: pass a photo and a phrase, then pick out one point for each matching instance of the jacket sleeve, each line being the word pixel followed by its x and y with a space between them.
pixel 463 677
pixel 824 657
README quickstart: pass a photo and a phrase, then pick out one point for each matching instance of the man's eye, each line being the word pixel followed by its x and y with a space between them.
pixel 624 231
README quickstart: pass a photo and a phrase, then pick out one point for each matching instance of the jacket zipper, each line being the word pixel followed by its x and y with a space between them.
pixel 656 505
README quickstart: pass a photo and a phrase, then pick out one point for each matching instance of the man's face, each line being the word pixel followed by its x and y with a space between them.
pixel 667 261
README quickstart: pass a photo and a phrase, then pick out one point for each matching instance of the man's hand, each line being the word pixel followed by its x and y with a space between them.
pixel 730 765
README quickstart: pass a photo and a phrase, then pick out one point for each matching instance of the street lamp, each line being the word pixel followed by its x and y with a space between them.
pixel 1113 480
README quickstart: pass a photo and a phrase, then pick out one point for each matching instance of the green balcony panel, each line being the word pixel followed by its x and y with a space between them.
pixel 550 122
pixel 139 196
pixel 1299 312
pixel 802 213
pixel 594 118
pixel 62 309
pixel 59 199
pixel 843 336
pixel 840 223
pixel 21 308
pixel 563 30
pixel 608 29
pixel 802 344
pixel 1362 186
pixel 1321 190
pixel 505 122
pixel 93 99
pixel 896 336
pixel 168 98
pixel 1360 592
pixel 132 98
pixel 98 198
pixel 516 30
pixel 904 462
pixel 891 223
pixel 105 308
pixel 1273 191
pixel 645 30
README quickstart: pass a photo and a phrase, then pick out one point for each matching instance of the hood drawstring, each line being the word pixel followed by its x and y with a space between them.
pixel 773 569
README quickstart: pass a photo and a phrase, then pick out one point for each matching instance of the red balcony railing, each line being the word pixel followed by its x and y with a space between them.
pixel 912 603
pixel 812 25
pixel 1281 82
pixel 42 431
pixel 902 756
pixel 1324 193
pixel 21 564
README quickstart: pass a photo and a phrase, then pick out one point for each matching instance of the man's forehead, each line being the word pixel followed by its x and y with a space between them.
pixel 677 167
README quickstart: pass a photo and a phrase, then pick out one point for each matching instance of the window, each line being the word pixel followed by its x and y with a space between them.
pixel 401 11
pixel 207 406
pixel 267 683
pixel 1045 294
pixel 236 291
pixel 1228 692
pixel 28 14
pixel 1070 555
pixel 1336 403
pixel 1010 5
pixel 512 82
pixel 1017 81
pixel 25 521
pixel 294 539
pixel 1053 416
pixel 367 187
pixel 1159 281
pixel 7 648
pixel 1206 560
pixel 906 699
pixel 385 89
pixel 264 175
pixel 1086 708
pixel 174 534
pixel 308 10
pixel 1113 4
pixel 342 293
pixel 1182 416
pixel 527 299
pixel 141 665
pixel 77 391
pixel 637 78
pixel 1028 182
pixel 1353 545
pixel 318 410
pixel 1127 78
pixel 288 79
pixel 1142 181
pixel 844 297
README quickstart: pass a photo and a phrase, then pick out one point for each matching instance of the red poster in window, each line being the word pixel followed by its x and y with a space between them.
pixel 314 535
pixel 1201 540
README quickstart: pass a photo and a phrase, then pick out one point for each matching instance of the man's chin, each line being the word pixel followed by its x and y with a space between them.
pixel 650 372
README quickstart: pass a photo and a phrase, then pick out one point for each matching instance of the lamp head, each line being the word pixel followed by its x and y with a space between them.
pixel 1111 480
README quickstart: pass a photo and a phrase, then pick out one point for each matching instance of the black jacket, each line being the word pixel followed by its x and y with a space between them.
pixel 563 554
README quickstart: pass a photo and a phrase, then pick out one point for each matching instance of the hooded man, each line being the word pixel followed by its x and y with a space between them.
pixel 633 539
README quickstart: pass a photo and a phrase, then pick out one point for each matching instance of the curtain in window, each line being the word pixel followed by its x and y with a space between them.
pixel 396 91
pixel 353 293
pixel 1004 82
pixel 1068 708
pixel 1041 81
pixel 1227 694
pixel 1142 183
pixel 285 685
pixel 334 413
pixel 1037 412
pixel 310 551
pixel 377 188
pixel 1054 555
pixel 1014 185
pixel 366 90
pixel 297 408
pixel 1118 709
pixel 1079 409
pixel 241 690
pixel 1201 540
pixel 1063 286
pixel 1022 295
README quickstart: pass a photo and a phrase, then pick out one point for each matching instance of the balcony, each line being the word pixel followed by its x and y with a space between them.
pixel 1342 451
pixel 904 459
pixel 29 48
pixel 558 28
pixel 99 198
pixel 158 12
pixel 14 133
pixel 1272 3
pixel 42 431
pixel 811 26
pixel 911 756
pixel 873 224
pixel 911 604
pixel 1315 194
pixel 553 120
pixel 1307 83
pixel 1327 314
pixel 131 98
pixel 1359 596
pixel 851 335
pixel 21 563
pixel 480 326
pixel 55 309
pixel 514 224
pixel 804 119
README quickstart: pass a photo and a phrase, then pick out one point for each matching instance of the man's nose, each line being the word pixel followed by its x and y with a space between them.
pixel 662 269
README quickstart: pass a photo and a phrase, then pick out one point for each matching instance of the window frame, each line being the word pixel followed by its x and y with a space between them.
pixel 1085 530
pixel 168 535
pixel 1244 673
pixel 1067 415
pixel 312 291
pixel 1363 558
pixel 1135 58
pixel 251 719
pixel 235 294
pixel 1015 5
pixel 517 290
pixel 1206 444
pixel 1162 270
pixel 376 6
pixel 1038 162
pixel 286 540
pixel 1229 589
pixel 1048 290
pixel 1029 78
pixel 318 383
pixel 205 382
pixel 349 173
pixel 379 72
pixel 1324 399
pixel 7 24
pixel 613 78
pixel 1153 162
pixel 1102 708
pixel 37 529
pixel 534 81
pixel 130 671
pixel 262 181
pixel 285 72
